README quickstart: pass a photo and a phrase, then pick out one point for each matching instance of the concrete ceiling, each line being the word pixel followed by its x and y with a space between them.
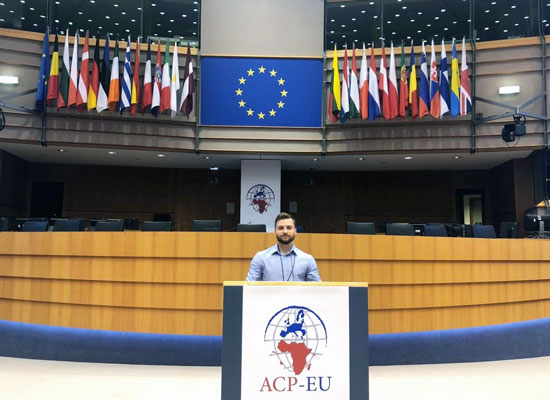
pixel 142 158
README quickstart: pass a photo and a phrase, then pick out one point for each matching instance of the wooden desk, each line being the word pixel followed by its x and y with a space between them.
pixel 171 282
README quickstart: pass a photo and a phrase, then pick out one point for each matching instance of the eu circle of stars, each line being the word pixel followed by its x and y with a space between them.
pixel 256 110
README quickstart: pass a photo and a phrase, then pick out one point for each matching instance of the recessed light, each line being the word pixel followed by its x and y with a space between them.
pixel 397 15
pixel 61 150
pixel 526 17
pixel 184 15
pixel 343 36
pixel 214 168
pixel 456 157
pixel 497 21
pixel 133 20
pixel 161 155
pixel 361 158
pixel 376 16
pixel 506 14
pixel 9 80
pixel 111 153
pixel 343 26
pixel 207 157
pixel 107 17
pixel 162 13
pixel 89 20
pixel 408 158
pixel 363 11
pixel 404 7
pixel 513 6
pixel 123 12
pixel 153 5
pixel 443 10
pixel 486 28
pixel 116 5
pixel 419 12
pixel 331 31
pixel 354 19
pixel 342 6
pixel 315 159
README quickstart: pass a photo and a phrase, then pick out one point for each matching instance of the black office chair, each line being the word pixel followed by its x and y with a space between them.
pixel 68 225
pixel 400 229
pixel 251 228
pixel 111 225
pixel 468 230
pixel 360 228
pixel 4 224
pixel 484 231
pixel 509 230
pixel 35 226
pixel 156 226
pixel 435 230
pixel 206 225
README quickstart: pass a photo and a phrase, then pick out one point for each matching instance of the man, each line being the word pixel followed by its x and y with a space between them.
pixel 283 261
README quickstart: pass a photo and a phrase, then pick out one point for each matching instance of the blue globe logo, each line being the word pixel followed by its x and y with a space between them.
pixel 296 336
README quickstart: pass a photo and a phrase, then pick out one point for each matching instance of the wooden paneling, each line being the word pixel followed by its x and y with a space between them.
pixel 171 282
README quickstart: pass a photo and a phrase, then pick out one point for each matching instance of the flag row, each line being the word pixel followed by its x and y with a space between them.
pixel 366 93
pixel 70 85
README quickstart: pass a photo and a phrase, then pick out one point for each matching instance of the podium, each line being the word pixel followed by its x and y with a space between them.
pixel 295 340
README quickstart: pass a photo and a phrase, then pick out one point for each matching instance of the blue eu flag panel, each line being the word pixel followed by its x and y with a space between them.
pixel 261 92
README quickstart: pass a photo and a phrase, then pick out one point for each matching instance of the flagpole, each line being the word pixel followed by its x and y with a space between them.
pixel 43 141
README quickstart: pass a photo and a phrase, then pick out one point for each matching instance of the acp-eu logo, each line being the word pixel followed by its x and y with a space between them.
pixel 261 92
pixel 295 338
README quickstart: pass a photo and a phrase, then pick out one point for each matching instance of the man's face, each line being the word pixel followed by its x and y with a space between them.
pixel 285 231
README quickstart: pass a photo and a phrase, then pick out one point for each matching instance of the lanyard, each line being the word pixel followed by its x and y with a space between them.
pixel 282 269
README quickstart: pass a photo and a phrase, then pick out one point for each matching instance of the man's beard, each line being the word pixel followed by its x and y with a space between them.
pixel 288 240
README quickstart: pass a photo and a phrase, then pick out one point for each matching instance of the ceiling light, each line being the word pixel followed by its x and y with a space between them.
pixel 419 12
pixel 123 12
pixel 162 13
pixel 9 80
pixel 331 31
pixel 408 158
pixel 404 7
pixel 363 11
pixel 487 11
pixel 116 5
pixel 456 157
pixel 331 20
pixel 412 20
pixel 111 153
pixel 342 6
pixel 315 159
pixel 355 30
pixel 184 15
pixel 508 89
pixel 486 28
pixel 497 21
pixel 207 157
pixel 397 15
pixel 214 168
pixel 526 17
pixel 61 150
pixel 513 6
pixel 443 10
pixel 354 19
pixel 376 16
pixel 506 14
pixel 343 36
pixel 343 26
pixel 361 158
pixel 161 155
pixel 436 17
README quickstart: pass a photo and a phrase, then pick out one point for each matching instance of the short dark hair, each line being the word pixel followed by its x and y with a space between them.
pixel 284 215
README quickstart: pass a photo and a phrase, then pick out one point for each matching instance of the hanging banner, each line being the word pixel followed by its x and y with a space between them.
pixel 260 192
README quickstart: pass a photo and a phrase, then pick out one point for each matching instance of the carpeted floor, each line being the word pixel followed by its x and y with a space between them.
pixel 23 379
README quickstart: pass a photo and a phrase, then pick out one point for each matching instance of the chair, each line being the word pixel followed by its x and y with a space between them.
pixel 4 224
pixel 113 225
pixel 484 231
pixel 206 225
pixel 156 226
pixel 68 225
pixel 35 226
pixel 360 228
pixel 435 230
pixel 509 230
pixel 251 228
pixel 400 229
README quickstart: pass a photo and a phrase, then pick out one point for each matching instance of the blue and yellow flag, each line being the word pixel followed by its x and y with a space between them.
pixel 261 92
pixel 42 88
pixel 455 84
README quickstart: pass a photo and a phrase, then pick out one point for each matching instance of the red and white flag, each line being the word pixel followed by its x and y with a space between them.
pixel 465 93
pixel 155 103
pixel 383 84
pixel 364 85
pixel 147 98
pixel 84 78
pixel 165 87
pixel 186 103
pixel 392 86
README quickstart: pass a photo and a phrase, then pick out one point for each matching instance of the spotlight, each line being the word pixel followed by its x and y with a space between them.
pixel 511 131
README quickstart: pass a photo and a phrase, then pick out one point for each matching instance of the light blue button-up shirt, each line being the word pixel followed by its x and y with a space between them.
pixel 271 265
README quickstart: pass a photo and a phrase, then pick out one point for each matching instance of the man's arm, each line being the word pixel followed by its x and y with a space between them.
pixel 313 272
pixel 255 273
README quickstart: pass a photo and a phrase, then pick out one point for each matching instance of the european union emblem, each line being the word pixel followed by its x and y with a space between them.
pixel 261 92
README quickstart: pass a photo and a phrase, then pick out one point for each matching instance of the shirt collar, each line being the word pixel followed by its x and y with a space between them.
pixel 275 250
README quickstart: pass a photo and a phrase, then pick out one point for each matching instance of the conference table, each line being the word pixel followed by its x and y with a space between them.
pixel 172 282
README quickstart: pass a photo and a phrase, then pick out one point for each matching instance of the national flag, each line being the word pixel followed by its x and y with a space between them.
pixel 186 103
pixel 465 94
pixel 354 105
pixel 63 94
pixel 344 112
pixel 147 97
pixel 114 82
pixel 374 100
pixel 53 80
pixel 42 88
pixel 403 85
pixel 424 105
pixel 413 93
pixel 84 78
pixel 155 103
pixel 165 87
pixel 126 94
pixel 383 84
pixel 455 84
pixel 135 82
pixel 445 101
pixel 334 100
pixel 364 85
pixel 104 72
pixel 434 85
pixel 73 83
pixel 392 86
pixel 93 89
pixel 174 83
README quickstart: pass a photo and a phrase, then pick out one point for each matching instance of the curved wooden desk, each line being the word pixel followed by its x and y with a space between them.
pixel 171 282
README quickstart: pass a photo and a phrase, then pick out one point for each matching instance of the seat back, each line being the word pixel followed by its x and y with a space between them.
pixel 206 225
pixel 251 228
pixel 156 226
pixel 35 226
pixel 509 230
pixel 112 225
pixel 435 230
pixel 484 231
pixel 68 225
pixel 360 228
pixel 400 229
